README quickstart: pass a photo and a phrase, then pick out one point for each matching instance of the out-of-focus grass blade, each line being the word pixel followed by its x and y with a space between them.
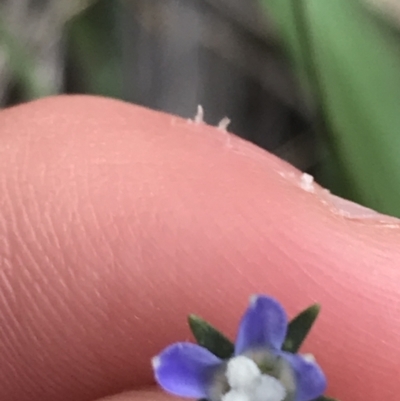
pixel 22 65
pixel 95 48
pixel 354 59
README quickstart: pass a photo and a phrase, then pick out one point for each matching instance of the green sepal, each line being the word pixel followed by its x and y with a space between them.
pixel 299 328
pixel 320 398
pixel 325 398
pixel 210 338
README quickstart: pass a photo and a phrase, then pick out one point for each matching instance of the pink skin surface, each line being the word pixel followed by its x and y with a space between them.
pixel 117 221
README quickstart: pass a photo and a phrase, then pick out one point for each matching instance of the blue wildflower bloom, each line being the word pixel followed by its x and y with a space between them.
pixel 258 371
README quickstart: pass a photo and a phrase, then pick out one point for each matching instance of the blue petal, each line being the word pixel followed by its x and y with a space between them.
pixel 310 379
pixel 264 325
pixel 185 369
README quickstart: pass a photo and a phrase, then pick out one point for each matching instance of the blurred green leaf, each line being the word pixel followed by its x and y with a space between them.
pixel 95 48
pixel 350 59
pixel 299 328
pixel 22 65
pixel 209 337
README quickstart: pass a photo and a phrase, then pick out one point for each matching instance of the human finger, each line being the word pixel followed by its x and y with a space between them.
pixel 116 222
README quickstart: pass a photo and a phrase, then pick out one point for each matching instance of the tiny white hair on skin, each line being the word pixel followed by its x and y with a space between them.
pixel 307 182
pixel 199 117
pixel 223 124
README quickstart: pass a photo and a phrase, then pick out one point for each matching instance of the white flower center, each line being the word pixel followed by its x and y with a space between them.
pixel 242 372
pixel 249 384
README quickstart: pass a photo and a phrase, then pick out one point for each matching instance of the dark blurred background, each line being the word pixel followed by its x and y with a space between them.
pixel 316 82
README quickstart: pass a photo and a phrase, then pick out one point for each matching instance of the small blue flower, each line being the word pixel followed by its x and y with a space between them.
pixel 259 370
